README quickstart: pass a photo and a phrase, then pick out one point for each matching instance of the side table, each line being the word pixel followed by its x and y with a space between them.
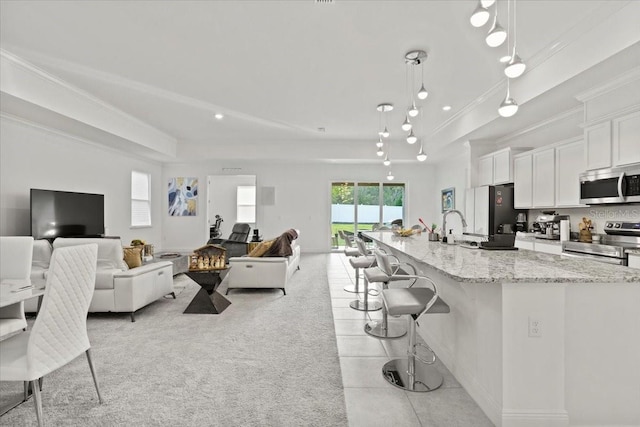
pixel 208 300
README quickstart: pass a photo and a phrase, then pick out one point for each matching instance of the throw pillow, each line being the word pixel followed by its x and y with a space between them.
pixel 261 249
pixel 133 256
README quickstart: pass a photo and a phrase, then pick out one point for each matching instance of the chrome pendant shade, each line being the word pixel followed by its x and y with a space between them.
pixel 515 67
pixel 406 125
pixel 480 16
pixel 390 176
pixel 509 106
pixel 421 155
pixel 412 138
pixel 497 35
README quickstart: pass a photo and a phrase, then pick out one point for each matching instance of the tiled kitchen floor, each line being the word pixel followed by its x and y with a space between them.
pixel 370 400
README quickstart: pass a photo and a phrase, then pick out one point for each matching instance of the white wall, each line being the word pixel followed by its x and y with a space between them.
pixel 302 198
pixel 222 200
pixel 452 173
pixel 33 157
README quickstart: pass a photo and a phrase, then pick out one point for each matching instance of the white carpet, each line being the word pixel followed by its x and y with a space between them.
pixel 268 360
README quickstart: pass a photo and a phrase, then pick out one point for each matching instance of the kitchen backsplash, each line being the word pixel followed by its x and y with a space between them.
pixel 598 214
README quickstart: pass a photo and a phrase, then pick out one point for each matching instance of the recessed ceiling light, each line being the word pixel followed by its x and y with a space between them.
pixel 219 116
pixel 446 108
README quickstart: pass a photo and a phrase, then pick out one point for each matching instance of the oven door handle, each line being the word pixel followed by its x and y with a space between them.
pixel 605 259
pixel 620 181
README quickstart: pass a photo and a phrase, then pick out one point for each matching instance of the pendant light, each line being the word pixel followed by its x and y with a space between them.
pixel 406 125
pixel 421 156
pixel 487 3
pixel 384 108
pixel 390 176
pixel 379 144
pixel 413 110
pixel 480 16
pixel 380 152
pixel 386 160
pixel 422 93
pixel 509 106
pixel 515 67
pixel 411 138
pixel 497 35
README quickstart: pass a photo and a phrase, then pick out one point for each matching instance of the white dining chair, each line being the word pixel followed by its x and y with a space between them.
pixel 16 253
pixel 59 334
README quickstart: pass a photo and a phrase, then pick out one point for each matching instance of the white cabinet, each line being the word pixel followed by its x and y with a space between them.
pixel 502 167
pixel 544 178
pixel 634 261
pixel 524 244
pixel 597 139
pixel 481 211
pixel 569 166
pixel 626 139
pixel 523 181
pixel 485 170
pixel 497 167
pixel 613 142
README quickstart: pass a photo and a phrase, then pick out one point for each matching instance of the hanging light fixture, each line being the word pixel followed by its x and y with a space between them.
pixel 379 144
pixel 412 138
pixel 417 57
pixel 380 152
pixel 413 110
pixel 390 176
pixel 509 106
pixel 497 35
pixel 384 108
pixel 480 15
pixel 406 125
pixel 515 67
pixel 421 156
pixel 487 3
pixel 386 160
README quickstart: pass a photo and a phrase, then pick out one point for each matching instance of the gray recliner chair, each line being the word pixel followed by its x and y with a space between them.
pixel 236 245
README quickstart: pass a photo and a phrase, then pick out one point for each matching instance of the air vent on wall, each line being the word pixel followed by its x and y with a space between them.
pixel 323 1
pixel 231 169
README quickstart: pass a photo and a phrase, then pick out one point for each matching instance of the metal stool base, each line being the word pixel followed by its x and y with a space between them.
pixel 426 378
pixel 393 330
pixel 352 289
pixel 362 306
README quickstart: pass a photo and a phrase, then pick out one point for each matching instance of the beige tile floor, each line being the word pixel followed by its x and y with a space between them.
pixel 370 400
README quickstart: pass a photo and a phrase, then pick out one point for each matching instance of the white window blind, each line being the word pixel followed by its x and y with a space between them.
pixel 140 199
pixel 246 204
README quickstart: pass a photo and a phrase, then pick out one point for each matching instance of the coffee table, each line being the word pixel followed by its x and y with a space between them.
pixel 208 300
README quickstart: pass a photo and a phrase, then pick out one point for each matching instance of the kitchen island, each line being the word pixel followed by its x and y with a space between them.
pixel 536 339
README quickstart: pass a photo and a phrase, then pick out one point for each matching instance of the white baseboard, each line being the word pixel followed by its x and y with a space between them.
pixel 512 418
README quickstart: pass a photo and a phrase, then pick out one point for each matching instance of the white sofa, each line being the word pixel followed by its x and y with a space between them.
pixel 118 288
pixel 259 272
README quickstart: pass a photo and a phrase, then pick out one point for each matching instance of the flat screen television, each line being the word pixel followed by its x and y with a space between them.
pixel 66 214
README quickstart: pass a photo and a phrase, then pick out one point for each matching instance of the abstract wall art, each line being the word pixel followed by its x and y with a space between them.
pixel 183 196
pixel 448 199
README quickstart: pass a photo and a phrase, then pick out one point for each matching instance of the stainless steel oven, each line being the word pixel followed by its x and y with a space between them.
pixel 614 185
pixel 620 237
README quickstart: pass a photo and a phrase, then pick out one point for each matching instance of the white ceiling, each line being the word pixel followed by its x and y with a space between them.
pixel 279 70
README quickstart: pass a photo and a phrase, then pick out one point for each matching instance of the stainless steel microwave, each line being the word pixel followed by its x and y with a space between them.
pixel 614 185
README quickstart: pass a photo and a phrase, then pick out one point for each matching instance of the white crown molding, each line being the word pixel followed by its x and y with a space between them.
pixel 611 116
pixel 51 79
pixel 620 81
pixel 541 124
pixel 25 123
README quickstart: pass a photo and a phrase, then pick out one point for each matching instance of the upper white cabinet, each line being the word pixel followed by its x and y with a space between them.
pixel 569 166
pixel 597 140
pixel 523 181
pixel 544 178
pixel 626 139
pixel 497 167
pixel 549 176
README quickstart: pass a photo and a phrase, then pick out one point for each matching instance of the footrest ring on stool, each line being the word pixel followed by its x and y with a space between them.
pixel 426 377
pixel 361 306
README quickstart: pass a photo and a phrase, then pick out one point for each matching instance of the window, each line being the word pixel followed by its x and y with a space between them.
pixel 140 199
pixel 246 204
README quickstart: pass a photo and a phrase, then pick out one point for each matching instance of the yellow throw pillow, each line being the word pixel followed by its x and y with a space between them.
pixel 261 249
pixel 133 256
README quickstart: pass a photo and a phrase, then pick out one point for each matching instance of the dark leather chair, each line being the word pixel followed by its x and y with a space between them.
pixel 236 244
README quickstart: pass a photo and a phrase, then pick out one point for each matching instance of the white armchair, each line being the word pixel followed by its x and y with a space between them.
pixel 15 267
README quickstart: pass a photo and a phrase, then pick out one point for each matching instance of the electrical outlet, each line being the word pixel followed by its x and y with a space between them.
pixel 535 327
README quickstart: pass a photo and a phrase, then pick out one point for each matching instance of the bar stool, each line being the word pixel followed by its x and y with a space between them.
pixel 350 250
pixel 414 302
pixel 365 261
pixel 384 273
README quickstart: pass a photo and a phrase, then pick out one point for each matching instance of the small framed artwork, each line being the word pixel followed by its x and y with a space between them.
pixel 183 196
pixel 448 199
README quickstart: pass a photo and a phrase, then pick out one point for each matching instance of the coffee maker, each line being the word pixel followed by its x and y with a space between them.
pixel 521 222
pixel 549 224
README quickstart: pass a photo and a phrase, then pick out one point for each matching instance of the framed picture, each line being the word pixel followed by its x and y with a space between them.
pixel 183 196
pixel 448 199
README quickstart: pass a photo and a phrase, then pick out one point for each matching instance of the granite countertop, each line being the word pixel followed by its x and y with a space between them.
pixel 486 266
pixel 530 237
pixel 633 251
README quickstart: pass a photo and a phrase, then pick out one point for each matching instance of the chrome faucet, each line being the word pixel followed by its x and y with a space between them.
pixel 444 220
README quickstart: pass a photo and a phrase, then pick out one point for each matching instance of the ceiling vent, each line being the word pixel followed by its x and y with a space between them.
pixel 323 1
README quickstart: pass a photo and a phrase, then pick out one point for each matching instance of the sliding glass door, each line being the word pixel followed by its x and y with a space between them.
pixel 361 206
